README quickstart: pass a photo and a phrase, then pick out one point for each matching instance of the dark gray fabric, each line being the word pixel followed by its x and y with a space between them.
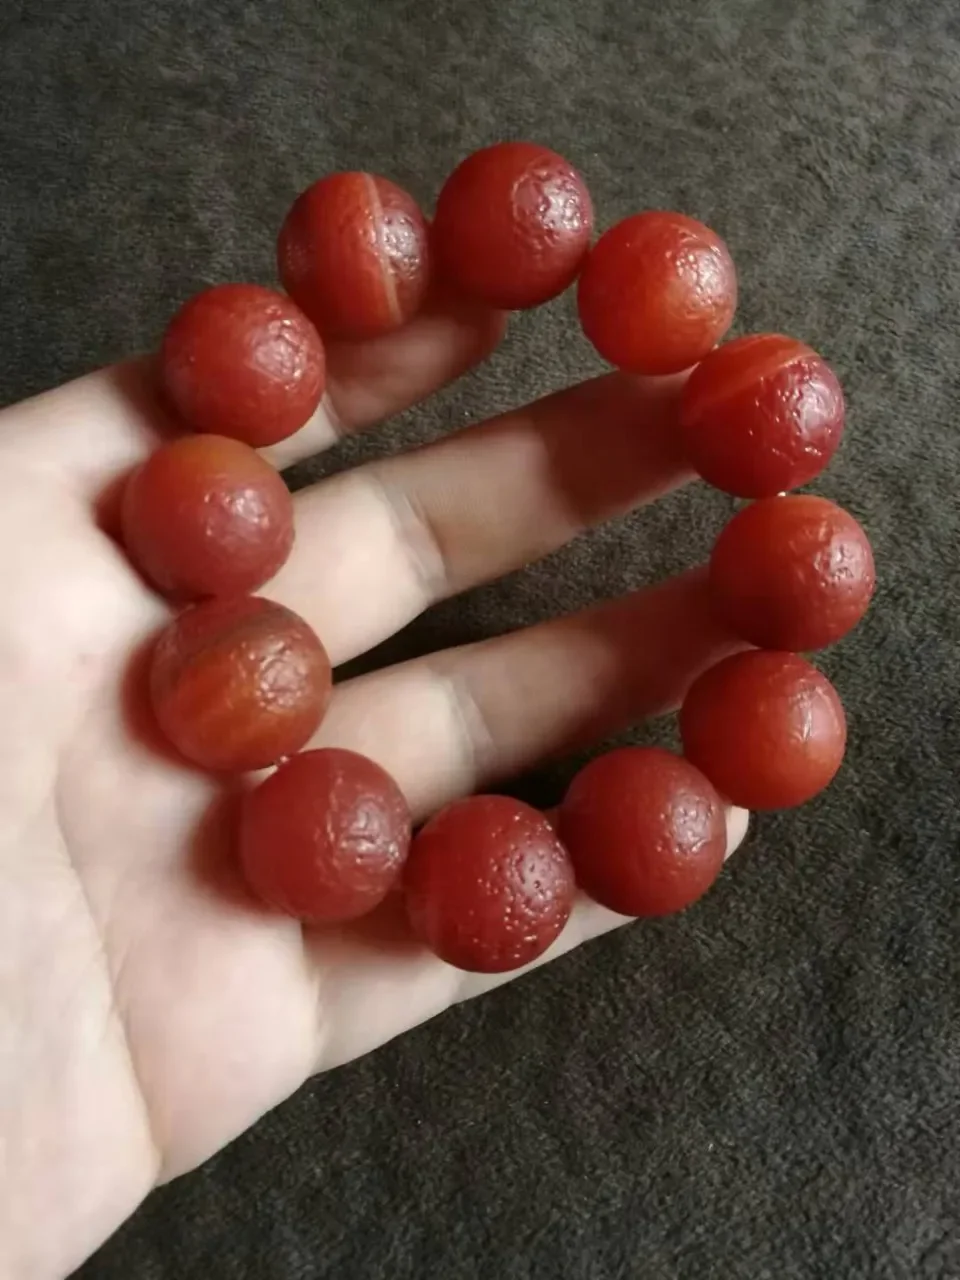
pixel 767 1087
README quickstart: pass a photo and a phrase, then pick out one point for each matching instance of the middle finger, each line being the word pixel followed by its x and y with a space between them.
pixel 379 544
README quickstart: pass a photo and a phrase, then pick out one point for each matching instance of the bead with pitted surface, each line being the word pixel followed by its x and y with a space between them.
pixel 325 837
pixel 512 226
pixel 354 254
pixel 657 291
pixel 488 884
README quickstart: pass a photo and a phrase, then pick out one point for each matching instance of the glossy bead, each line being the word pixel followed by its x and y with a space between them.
pixel 792 573
pixel 353 253
pixel 239 684
pixel 761 415
pixel 645 829
pixel 488 884
pixel 512 225
pixel 765 727
pixel 324 838
pixel 242 361
pixel 657 292
pixel 207 516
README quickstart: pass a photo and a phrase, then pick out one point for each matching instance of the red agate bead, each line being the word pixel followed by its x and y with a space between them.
pixel 242 361
pixel 645 829
pixel 657 291
pixel 512 225
pixel 761 415
pixel 324 838
pixel 207 516
pixel 239 684
pixel 792 573
pixel 766 728
pixel 488 884
pixel 353 253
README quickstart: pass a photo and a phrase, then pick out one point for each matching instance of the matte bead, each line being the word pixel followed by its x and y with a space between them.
pixel 513 225
pixel 657 291
pixel 766 728
pixel 324 838
pixel 353 253
pixel 488 884
pixel 239 684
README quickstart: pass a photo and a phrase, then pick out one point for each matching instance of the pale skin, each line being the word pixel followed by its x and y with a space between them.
pixel 150 1010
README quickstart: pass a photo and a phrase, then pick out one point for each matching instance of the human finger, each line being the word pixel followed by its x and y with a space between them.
pixel 450 723
pixel 369 382
pixel 378 545
pixel 87 433
pixel 379 981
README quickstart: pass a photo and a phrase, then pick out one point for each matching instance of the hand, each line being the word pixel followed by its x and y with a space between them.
pixel 149 1009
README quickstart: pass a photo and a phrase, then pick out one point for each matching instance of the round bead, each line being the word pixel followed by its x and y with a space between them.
pixel 239 684
pixel 761 415
pixel 792 573
pixel 243 361
pixel 488 884
pixel 645 829
pixel 513 225
pixel 324 838
pixel 353 253
pixel 207 516
pixel 657 292
pixel 766 728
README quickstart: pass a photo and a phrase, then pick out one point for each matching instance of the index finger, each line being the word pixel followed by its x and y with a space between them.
pixel 368 382
pixel 89 431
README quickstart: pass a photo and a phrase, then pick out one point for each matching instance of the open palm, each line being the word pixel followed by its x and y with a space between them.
pixel 149 1009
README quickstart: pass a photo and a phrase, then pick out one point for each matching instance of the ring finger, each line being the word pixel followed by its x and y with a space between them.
pixel 452 722
pixel 378 545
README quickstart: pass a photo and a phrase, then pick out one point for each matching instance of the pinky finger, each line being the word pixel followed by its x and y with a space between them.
pixel 457 721
pixel 377 982
pixel 589 920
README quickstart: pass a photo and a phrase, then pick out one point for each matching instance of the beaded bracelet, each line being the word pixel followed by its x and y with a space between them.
pixel 240 683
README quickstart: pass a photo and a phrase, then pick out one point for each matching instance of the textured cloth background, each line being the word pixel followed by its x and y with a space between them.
pixel 767 1087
